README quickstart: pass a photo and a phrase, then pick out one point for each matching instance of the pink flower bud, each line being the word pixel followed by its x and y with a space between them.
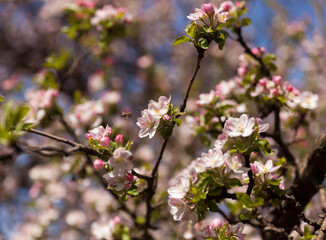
pixel 216 223
pixel 290 88
pixel 255 51
pixel 105 141
pixel 208 8
pixel 254 168
pixel 98 164
pixel 263 81
pixel 117 220
pixel 88 135
pixel 166 117
pixel 129 177
pixel 274 91
pixel 262 49
pixel 119 139
pixel 226 6
pixel 277 80
pixel 242 71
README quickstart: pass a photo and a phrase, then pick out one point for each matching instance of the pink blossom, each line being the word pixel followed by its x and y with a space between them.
pixel 180 211
pixel 265 168
pixel 309 100
pixel 121 161
pixel 160 108
pixel 226 5
pixel 243 126
pixel 277 80
pixel 118 183
pixel 98 164
pixel 198 14
pixel 263 127
pixel 212 159
pixel 100 132
pixel 148 124
pixel 223 17
pixel 206 98
pixel 180 188
pixel 235 163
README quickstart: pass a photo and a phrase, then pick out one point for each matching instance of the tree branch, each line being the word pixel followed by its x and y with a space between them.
pixel 151 182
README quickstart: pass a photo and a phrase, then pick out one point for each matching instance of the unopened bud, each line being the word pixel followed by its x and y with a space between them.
pixel 274 91
pixel 166 117
pixel 216 223
pixel 208 8
pixel 119 139
pixel 98 164
pixel 88 135
pixel 105 141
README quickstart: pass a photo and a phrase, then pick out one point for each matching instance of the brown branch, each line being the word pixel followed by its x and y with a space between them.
pixel 250 175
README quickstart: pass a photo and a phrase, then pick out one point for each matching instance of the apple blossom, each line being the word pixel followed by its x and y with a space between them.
pixel 243 126
pixel 148 124
pixel 160 108
pixel 100 132
pixel 121 161
pixel 180 187
pixel 308 100
pixel 268 167
pixel 206 98
pixel 212 159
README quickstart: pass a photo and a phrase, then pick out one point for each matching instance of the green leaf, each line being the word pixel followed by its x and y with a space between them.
pixel 181 39
pixel 245 200
pixel 178 121
pixel 1 98
pixel 242 146
pixel 264 146
pixel 258 202
pixel 190 29
pixel 233 182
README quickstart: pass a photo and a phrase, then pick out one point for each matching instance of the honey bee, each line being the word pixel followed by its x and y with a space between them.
pixel 126 115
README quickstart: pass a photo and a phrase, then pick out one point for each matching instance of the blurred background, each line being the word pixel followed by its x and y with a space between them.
pixel 42 199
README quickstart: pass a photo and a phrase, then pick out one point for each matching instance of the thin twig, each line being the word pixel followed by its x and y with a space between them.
pixel 151 182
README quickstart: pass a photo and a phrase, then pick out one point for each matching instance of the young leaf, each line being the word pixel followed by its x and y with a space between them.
pixel 1 98
pixel 181 39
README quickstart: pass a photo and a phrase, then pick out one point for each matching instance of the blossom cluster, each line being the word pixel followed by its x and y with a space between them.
pixel 272 89
pixel 108 16
pixel 209 14
pixel 218 165
pixel 89 113
pixel 39 102
pixel 119 164
pixel 216 226
pixel 151 117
